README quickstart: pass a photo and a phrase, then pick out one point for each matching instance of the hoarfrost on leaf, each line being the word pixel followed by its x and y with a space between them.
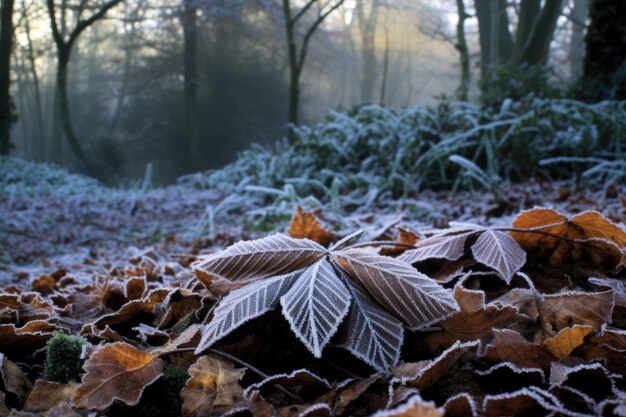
pixel 499 251
pixel 408 294
pixel 315 305
pixel 274 255
pixel 244 304
pixel 371 333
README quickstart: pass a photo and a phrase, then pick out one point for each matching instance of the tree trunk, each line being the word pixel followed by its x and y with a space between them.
pixel 529 12
pixel 576 54
pixel 37 90
pixel 64 106
pixel 190 60
pixel 6 106
pixel 461 46
pixel 496 42
pixel 367 26
pixel 537 49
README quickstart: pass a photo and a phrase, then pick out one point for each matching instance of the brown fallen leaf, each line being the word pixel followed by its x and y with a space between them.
pixel 568 339
pixel 212 389
pixel 424 374
pixel 415 406
pixel 510 346
pixel 588 233
pixel 46 395
pixel 305 224
pixel 559 311
pixel 116 371
pixel 476 320
pixel 13 379
pixel 461 405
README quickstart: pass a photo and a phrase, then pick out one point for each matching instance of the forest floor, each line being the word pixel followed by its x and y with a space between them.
pixel 114 266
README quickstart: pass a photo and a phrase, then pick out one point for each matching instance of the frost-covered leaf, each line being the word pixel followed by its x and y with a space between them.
pixel 445 246
pixel 499 251
pixel 116 371
pixel 274 255
pixel 315 305
pixel 244 304
pixel 371 333
pixel 408 294
pixel 212 388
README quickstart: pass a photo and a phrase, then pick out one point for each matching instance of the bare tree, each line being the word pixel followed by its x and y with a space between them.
pixel 461 46
pixel 64 49
pixel 189 21
pixel 298 53
pixel 6 106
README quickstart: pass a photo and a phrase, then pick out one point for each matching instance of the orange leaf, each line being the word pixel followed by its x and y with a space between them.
pixel 116 372
pixel 587 233
pixel 565 341
pixel 304 224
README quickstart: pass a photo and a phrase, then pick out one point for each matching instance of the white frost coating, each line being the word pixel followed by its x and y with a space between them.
pixel 546 400
pixel 406 293
pixel 315 306
pixel 457 348
pixel 449 246
pixel 244 304
pixel 466 397
pixel 414 403
pixel 273 255
pixel 498 250
pixel 511 366
pixel 371 333
pixel 315 408
pixel 311 380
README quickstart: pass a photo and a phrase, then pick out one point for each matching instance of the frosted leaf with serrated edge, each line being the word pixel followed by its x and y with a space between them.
pixel 315 305
pixel 450 247
pixel 245 304
pixel 370 333
pixel 274 255
pixel 408 294
pixel 499 251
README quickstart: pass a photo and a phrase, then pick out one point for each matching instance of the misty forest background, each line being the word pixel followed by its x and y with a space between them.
pixel 108 88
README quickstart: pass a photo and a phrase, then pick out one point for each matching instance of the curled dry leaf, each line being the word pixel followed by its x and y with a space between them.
pixel 305 224
pixel 116 371
pixel 510 346
pixel 212 389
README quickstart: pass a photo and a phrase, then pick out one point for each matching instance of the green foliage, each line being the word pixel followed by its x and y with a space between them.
pixel 517 82
pixel 374 152
pixel 63 358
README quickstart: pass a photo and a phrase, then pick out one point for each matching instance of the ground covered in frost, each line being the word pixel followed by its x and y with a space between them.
pixel 502 282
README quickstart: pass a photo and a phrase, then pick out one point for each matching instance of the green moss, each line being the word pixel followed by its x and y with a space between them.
pixel 162 399
pixel 63 363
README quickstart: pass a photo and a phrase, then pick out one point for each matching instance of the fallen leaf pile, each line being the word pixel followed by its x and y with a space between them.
pixel 466 320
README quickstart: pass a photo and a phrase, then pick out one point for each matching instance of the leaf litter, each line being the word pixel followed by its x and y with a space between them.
pixel 516 315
